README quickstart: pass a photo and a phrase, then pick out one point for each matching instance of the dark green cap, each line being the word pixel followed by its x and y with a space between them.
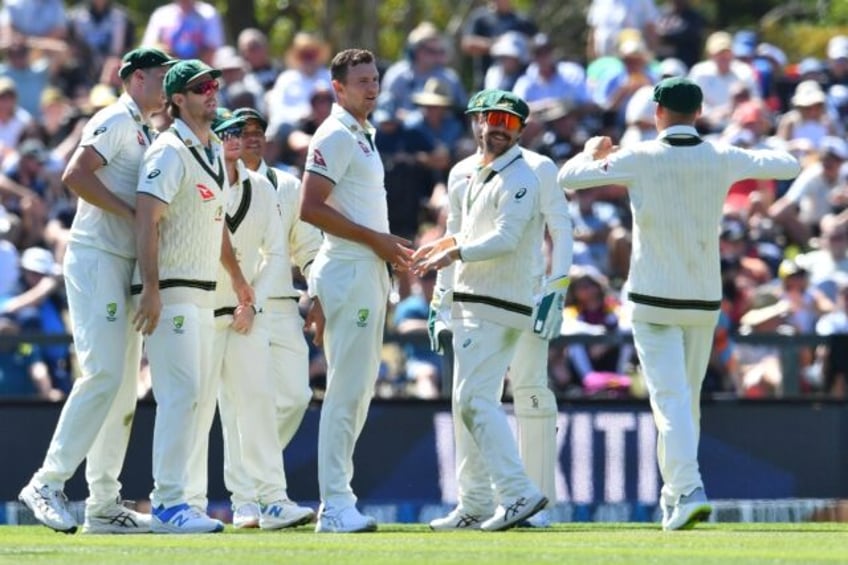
pixel 478 101
pixel 181 74
pixel 679 95
pixel 251 114
pixel 143 58
pixel 225 119
pixel 504 101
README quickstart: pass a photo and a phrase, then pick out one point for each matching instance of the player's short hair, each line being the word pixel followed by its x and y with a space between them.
pixel 346 59
pixel 173 110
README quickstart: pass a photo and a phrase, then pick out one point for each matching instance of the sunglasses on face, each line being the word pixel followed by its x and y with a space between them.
pixel 231 133
pixel 204 88
pixel 503 120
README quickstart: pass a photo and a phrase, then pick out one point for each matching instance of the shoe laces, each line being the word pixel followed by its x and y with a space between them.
pixel 53 500
pixel 514 508
pixel 467 520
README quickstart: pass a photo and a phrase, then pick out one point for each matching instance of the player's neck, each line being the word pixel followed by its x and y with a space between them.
pixel 251 163
pixel 200 128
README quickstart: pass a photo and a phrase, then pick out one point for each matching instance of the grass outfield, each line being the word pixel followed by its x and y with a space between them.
pixel 401 544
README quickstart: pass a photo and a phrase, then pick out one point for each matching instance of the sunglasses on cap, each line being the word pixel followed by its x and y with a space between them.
pixel 204 88
pixel 498 118
pixel 231 133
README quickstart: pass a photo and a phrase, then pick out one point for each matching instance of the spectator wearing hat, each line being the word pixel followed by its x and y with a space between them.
pixel 105 29
pixel 803 127
pixel 187 29
pixel 614 94
pixel 261 68
pixel 560 128
pixel 717 75
pixel 30 77
pixel 674 282
pixel 828 261
pixel 235 89
pixel 435 119
pixel 810 196
pixel 425 58
pixel 761 369
pixel 288 100
pixel 807 303
pixel 608 18
pixel 548 80
pixel 680 32
pixel 510 54
pixel 484 26
pixel 837 60
pixel 769 64
pixel 13 119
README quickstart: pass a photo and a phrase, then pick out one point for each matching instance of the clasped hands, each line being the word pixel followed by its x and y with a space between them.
pixel 435 255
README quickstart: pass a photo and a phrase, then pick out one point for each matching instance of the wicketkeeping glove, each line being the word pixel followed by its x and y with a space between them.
pixel 438 318
pixel 547 313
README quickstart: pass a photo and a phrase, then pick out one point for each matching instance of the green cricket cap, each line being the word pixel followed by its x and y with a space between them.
pixel 226 119
pixel 182 73
pixel 251 114
pixel 504 101
pixel 679 95
pixel 478 101
pixel 143 58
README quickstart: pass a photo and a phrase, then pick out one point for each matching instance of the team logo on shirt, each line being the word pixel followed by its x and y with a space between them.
pixel 362 317
pixel 101 129
pixel 520 194
pixel 205 192
pixel 112 311
pixel 318 159
pixel 363 147
pixel 140 139
pixel 154 173
pixel 178 322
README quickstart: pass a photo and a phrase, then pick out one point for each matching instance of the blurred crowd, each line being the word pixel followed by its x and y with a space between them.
pixel 784 246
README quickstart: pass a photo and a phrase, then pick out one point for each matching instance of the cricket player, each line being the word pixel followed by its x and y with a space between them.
pixel 180 225
pixel 534 403
pixel 289 364
pixel 492 305
pixel 677 185
pixel 343 194
pixel 97 416
pixel 241 377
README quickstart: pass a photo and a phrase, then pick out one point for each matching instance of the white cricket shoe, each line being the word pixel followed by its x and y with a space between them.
pixel 345 520
pixel 689 510
pixel 246 516
pixel 458 519
pixel 49 506
pixel 284 514
pixel 541 519
pixel 115 519
pixel 513 513
pixel 183 519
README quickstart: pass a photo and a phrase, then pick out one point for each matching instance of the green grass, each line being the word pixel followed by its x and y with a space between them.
pixel 401 544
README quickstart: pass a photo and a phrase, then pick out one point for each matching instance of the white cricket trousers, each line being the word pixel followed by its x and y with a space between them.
pixel 353 295
pixel 97 416
pixel 674 361
pixel 180 352
pixel 289 371
pixel 240 386
pixel 487 454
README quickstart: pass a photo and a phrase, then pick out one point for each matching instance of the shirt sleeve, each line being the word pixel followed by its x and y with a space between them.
pixel 329 155
pixel 161 173
pixel 273 246
pixel 107 137
pixel 304 238
pixel 554 207
pixel 581 171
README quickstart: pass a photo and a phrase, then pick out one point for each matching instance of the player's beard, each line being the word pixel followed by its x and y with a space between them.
pixel 497 143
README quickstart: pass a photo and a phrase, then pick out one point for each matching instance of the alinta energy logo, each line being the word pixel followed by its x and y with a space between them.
pixel 112 311
pixel 178 322
pixel 362 317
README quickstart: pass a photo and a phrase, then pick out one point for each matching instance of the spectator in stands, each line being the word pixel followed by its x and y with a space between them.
pixel 187 29
pixel 13 118
pixel 436 121
pixel 298 137
pixel 809 197
pixel 106 30
pixel 607 19
pixel 235 92
pixel 39 18
pixel 30 78
pixel 483 27
pixel 829 262
pixel 39 306
pixel 615 92
pixel 639 117
pixel 261 68
pixel 837 99
pixel 23 372
pixel 510 53
pixel 29 171
pixel 548 80
pixel 717 77
pixel 425 58
pixel 760 367
pixel 837 60
pixel 769 65
pixel 680 32
pixel 833 357
pixel 561 134
pixel 289 99
pixel 806 304
pixel 803 127
pixel 594 219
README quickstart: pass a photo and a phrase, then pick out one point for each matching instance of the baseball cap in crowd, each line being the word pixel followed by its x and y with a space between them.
pixel 143 58
pixel 673 67
pixel 511 44
pixel 810 65
pixel 744 44
pixel 251 114
pixel 504 101
pixel 39 260
pixel 183 72
pixel 34 148
pixel 435 92
pixel 774 53
pixel 226 119
pixel 834 146
pixel 717 42
pixel 7 86
pixel 678 94
pixel 837 47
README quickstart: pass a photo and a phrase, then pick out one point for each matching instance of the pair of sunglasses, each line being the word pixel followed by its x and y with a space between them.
pixel 205 87
pixel 231 133
pixel 497 118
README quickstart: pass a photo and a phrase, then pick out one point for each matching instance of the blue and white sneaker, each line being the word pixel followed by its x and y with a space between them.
pixel 284 514
pixel 183 519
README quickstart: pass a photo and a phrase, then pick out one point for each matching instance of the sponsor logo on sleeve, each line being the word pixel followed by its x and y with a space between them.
pixel 520 194
pixel 101 129
pixel 154 173
pixel 318 159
